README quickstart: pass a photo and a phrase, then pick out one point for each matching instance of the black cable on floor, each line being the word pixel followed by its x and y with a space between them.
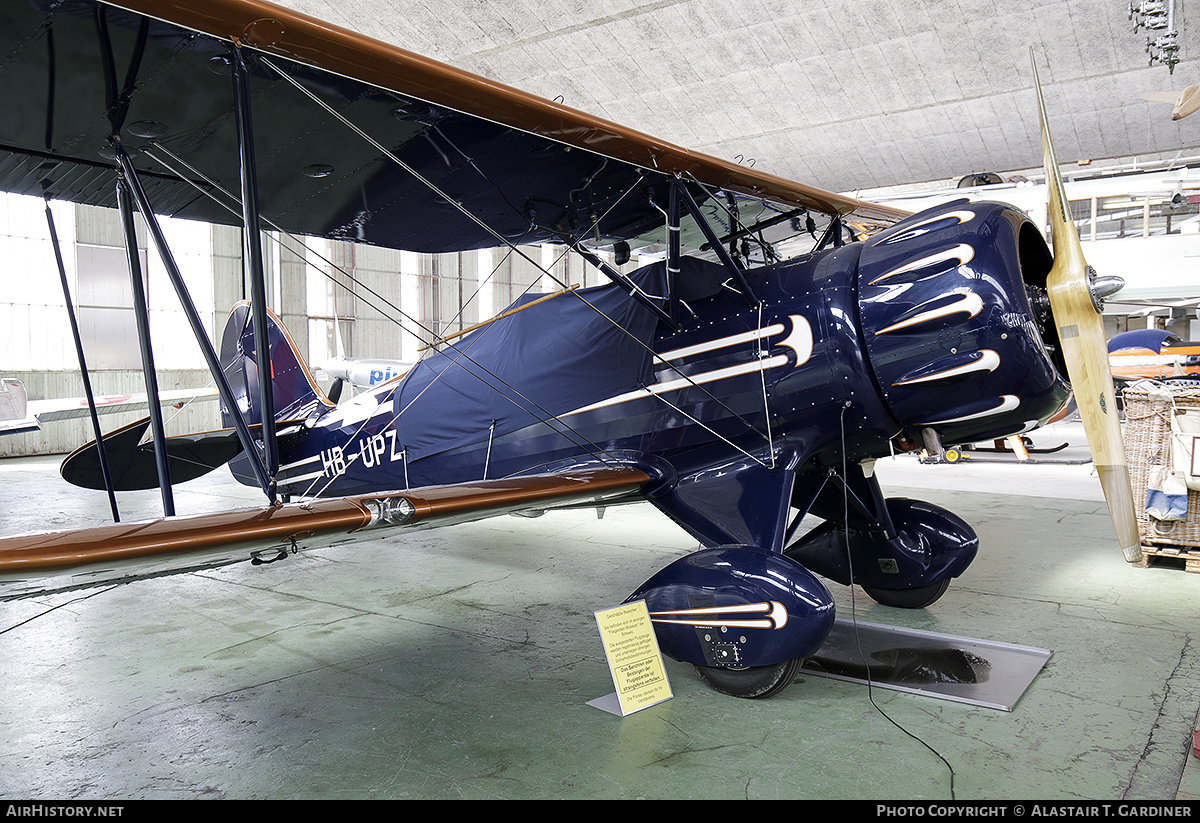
pixel 54 608
pixel 854 616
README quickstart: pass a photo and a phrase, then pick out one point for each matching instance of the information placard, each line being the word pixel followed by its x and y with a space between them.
pixel 633 656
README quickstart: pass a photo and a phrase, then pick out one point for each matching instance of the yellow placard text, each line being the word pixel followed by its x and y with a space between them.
pixel 633 656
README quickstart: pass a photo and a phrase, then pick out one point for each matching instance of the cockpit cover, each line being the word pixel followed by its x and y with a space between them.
pixel 553 357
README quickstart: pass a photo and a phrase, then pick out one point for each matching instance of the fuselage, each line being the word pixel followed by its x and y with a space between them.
pixel 851 353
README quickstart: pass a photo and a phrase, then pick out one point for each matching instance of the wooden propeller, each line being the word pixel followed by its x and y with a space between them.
pixel 1081 335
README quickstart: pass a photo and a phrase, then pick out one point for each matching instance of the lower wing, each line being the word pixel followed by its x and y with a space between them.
pixel 42 563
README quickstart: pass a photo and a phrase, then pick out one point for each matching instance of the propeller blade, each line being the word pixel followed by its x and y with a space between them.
pixel 1081 335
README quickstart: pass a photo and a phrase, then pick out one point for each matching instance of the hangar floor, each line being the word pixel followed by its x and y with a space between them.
pixel 459 663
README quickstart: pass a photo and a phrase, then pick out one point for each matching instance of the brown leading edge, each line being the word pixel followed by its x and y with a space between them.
pixel 45 562
pixel 1081 334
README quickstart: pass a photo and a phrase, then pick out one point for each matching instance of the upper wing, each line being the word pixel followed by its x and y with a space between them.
pixel 354 138
pixel 50 562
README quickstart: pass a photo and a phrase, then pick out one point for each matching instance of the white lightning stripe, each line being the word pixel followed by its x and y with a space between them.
pixel 724 342
pixel 685 382
pixel 988 362
pixel 1008 402
pixel 970 303
pixel 364 407
pixel 963 253
pixel 360 409
pixel 745 607
pixel 776 619
pixel 911 232
pixel 799 341
pixel 300 478
pixel 733 624
pixel 300 463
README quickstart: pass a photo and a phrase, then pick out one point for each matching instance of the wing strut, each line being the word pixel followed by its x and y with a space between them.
pixel 142 315
pixel 673 255
pixel 252 242
pixel 833 234
pixel 715 242
pixel 83 370
pixel 131 183
pixel 621 280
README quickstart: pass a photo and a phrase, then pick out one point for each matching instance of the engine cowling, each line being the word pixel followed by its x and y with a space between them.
pixel 954 324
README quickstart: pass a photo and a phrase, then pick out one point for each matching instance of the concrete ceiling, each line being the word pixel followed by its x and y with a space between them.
pixel 842 94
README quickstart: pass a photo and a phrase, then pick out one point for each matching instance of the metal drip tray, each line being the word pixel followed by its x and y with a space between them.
pixel 962 669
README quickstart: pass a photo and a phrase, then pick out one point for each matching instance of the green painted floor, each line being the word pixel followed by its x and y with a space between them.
pixel 458 664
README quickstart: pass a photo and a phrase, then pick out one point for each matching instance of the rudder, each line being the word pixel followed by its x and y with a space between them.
pixel 296 393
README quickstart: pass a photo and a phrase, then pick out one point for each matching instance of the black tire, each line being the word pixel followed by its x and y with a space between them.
pixel 917 597
pixel 754 682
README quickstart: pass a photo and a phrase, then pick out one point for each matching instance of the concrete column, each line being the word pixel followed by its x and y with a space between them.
pixel 292 300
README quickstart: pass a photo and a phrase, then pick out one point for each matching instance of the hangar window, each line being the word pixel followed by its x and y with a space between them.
pixel 1140 215
pixel 1173 215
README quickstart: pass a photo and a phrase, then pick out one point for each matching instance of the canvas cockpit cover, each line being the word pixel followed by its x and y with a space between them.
pixel 545 360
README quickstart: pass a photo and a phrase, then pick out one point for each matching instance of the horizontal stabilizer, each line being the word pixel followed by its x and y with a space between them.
pixel 131 462
pixel 42 563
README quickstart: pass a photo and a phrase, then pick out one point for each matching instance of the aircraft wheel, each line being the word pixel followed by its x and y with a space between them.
pixel 917 597
pixel 752 682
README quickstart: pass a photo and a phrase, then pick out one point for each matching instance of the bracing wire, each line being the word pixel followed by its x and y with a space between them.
pixel 594 449
pixel 479 222
pixel 513 250
pixel 768 249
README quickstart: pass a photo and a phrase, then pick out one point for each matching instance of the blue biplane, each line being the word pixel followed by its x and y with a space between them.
pixel 788 339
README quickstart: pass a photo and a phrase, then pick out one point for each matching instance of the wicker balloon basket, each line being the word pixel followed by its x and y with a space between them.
pixel 1148 446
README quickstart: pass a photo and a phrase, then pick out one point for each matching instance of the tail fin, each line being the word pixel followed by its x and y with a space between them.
pixel 296 393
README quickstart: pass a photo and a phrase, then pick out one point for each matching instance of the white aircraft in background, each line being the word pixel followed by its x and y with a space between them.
pixel 19 415
pixel 1182 103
